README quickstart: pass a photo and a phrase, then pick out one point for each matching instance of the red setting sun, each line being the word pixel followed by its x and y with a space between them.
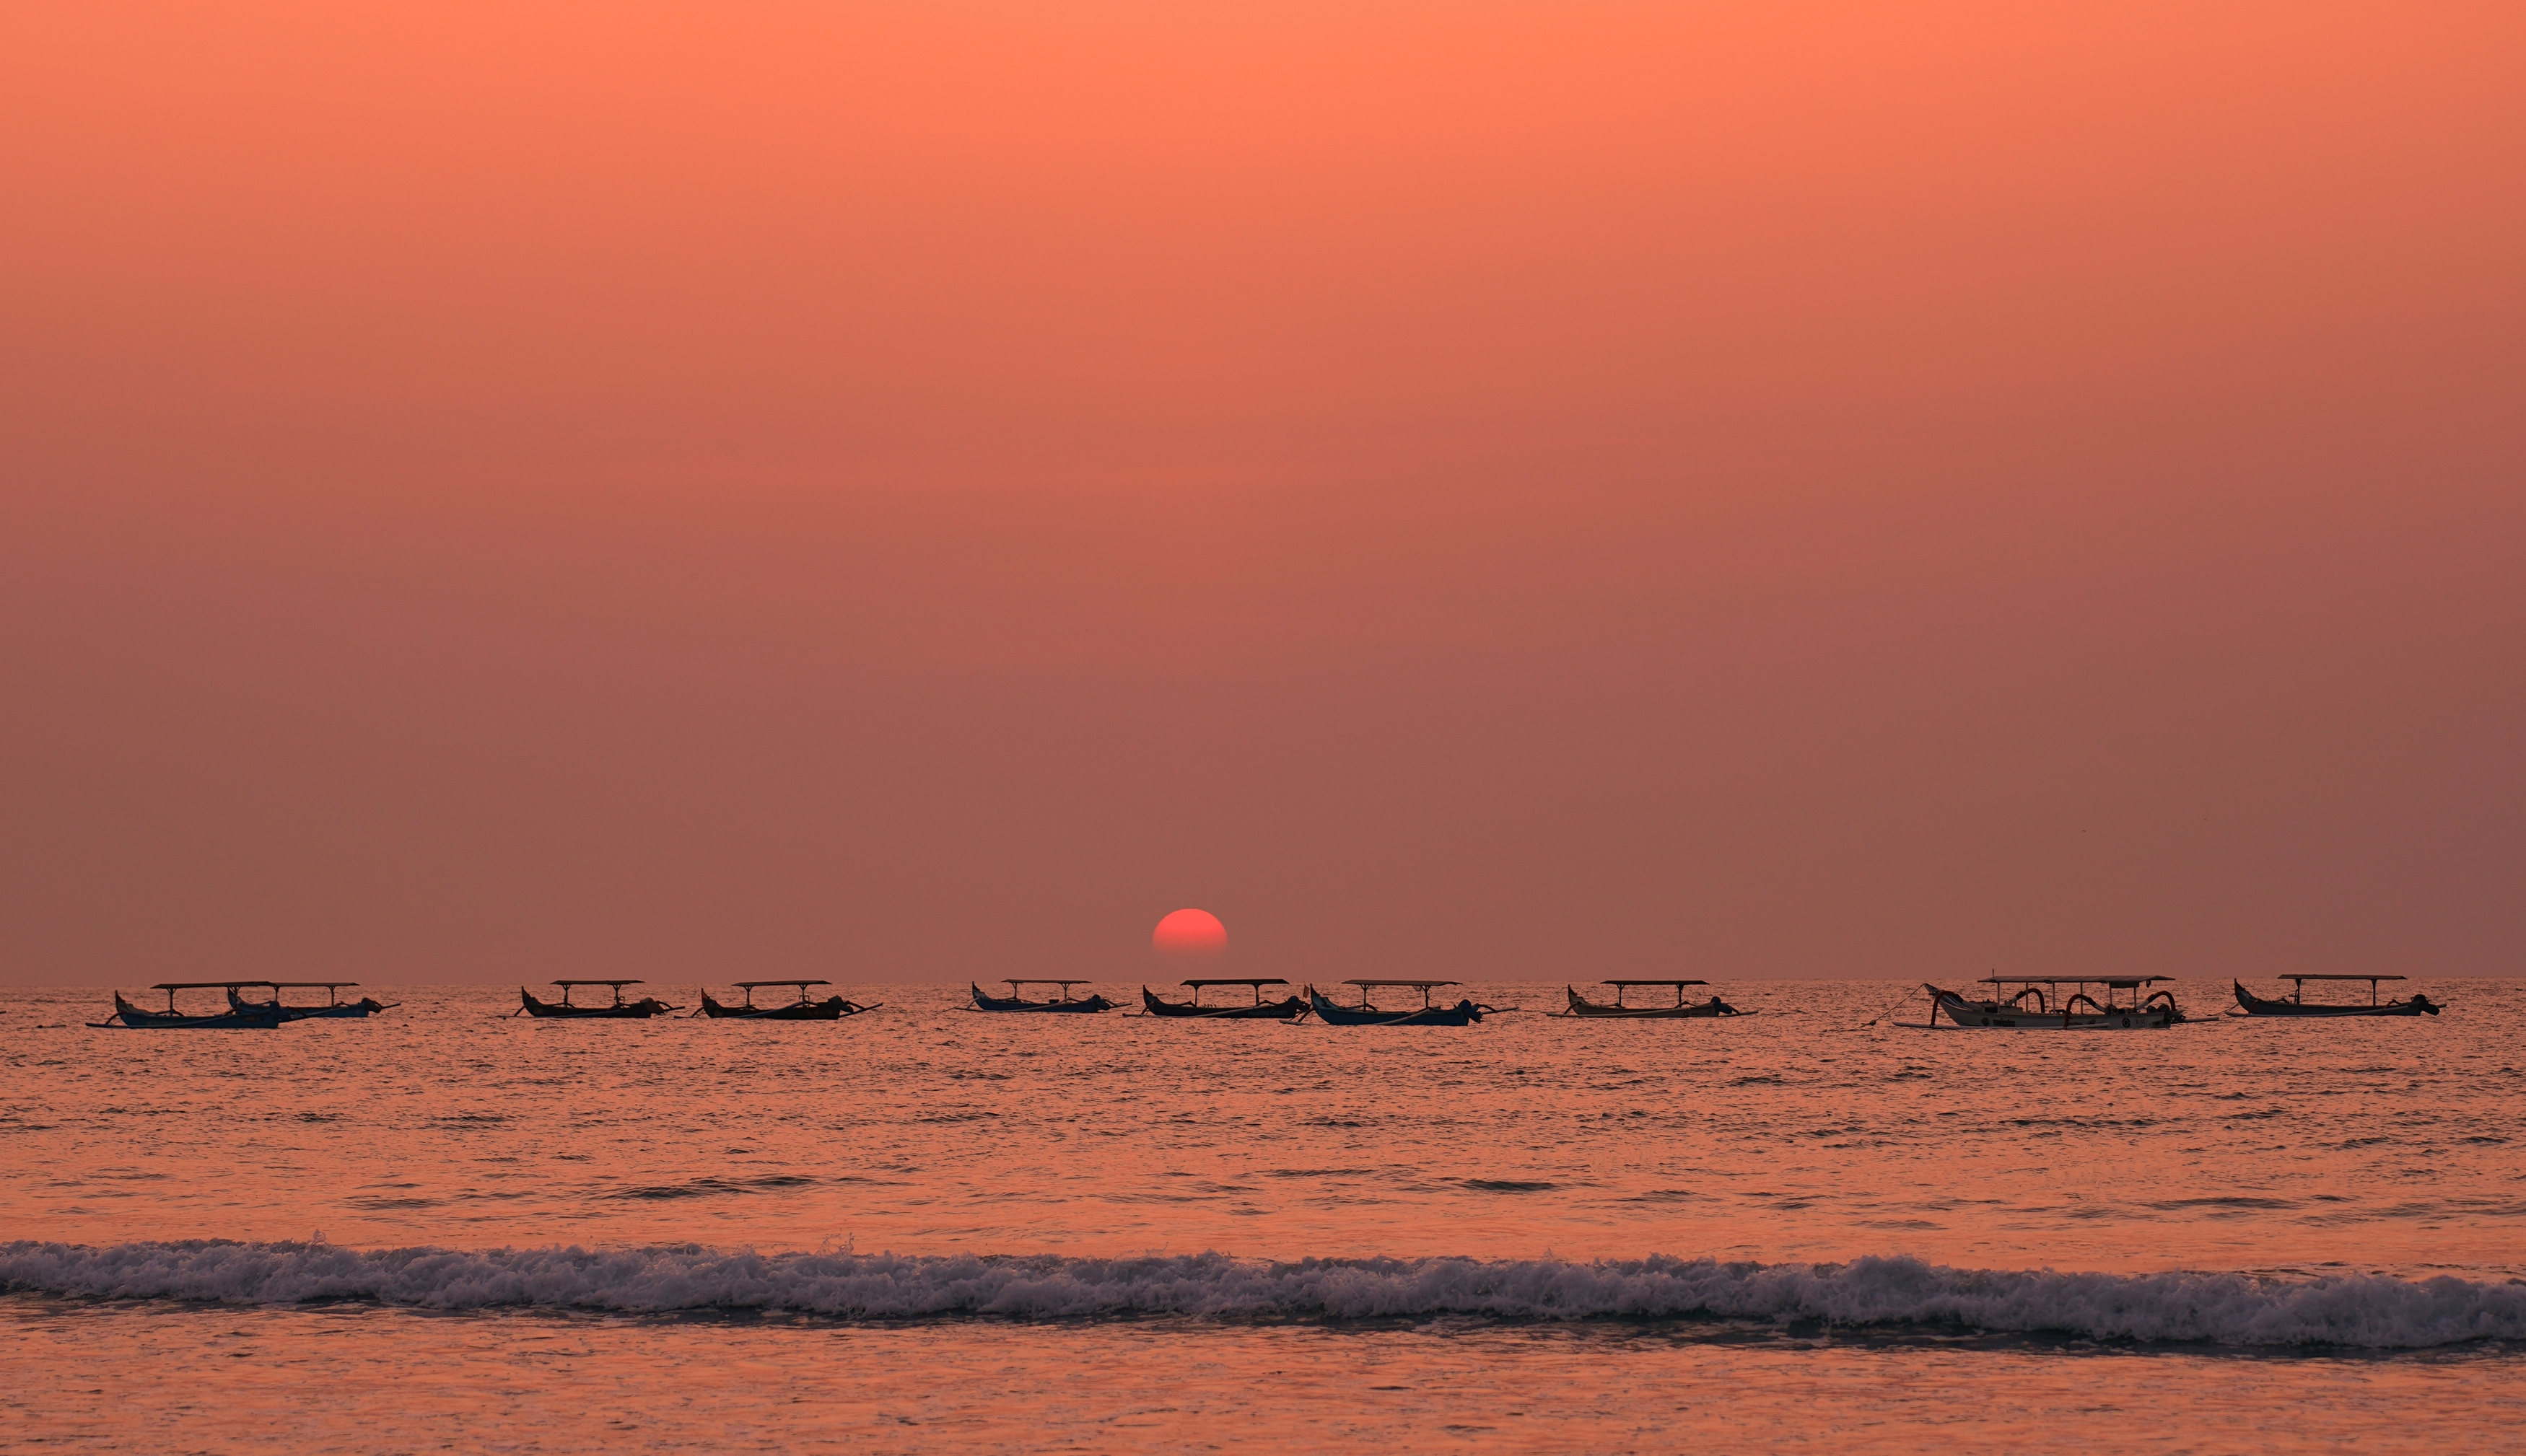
pixel 1190 933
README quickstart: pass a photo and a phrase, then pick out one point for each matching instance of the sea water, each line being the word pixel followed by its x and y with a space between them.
pixel 446 1227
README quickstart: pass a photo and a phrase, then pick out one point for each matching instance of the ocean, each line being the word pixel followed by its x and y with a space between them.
pixel 446 1227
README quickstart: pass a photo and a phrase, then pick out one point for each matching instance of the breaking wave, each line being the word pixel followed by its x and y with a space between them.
pixel 1883 1294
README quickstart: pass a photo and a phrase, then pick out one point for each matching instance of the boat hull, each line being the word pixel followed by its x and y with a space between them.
pixel 2250 1004
pixel 830 1009
pixel 1288 1009
pixel 365 1006
pixel 630 1010
pixel 1462 1014
pixel 1991 1016
pixel 1086 1005
pixel 127 1014
pixel 1709 1010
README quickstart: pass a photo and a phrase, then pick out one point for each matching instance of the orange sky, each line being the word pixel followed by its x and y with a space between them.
pixel 923 490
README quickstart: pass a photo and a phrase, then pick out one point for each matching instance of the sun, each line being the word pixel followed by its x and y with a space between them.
pixel 1190 935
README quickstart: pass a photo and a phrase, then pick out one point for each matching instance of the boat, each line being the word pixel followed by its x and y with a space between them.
pixel 334 1006
pixel 830 1009
pixel 1680 1011
pixel 1463 1013
pixel 621 1010
pixel 1016 1000
pixel 2250 1004
pixel 2139 1009
pixel 1287 1009
pixel 250 1017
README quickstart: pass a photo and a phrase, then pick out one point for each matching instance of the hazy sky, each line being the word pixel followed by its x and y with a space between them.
pixel 909 491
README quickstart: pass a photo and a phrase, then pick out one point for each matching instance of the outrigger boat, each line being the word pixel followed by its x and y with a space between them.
pixel 1581 1006
pixel 830 1009
pixel 1287 1009
pixel 2250 1004
pixel 2155 1009
pixel 249 1018
pixel 1015 1000
pixel 1463 1013
pixel 621 1010
pixel 335 1005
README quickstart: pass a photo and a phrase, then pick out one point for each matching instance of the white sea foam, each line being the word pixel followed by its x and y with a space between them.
pixel 1882 1292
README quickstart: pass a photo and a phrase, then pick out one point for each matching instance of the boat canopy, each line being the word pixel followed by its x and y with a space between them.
pixel 213 985
pixel 633 982
pixel 1418 986
pixel 2371 980
pixel 1233 980
pixel 1653 983
pixel 1040 980
pixel 747 985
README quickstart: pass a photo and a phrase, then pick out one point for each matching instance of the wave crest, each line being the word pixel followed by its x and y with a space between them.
pixel 2232 1309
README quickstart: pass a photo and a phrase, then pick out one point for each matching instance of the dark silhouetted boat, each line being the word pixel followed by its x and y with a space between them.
pixel 250 1019
pixel 1016 1001
pixel 2250 1004
pixel 2128 1005
pixel 621 1010
pixel 830 1009
pixel 1680 1011
pixel 1462 1014
pixel 1287 1009
pixel 334 1006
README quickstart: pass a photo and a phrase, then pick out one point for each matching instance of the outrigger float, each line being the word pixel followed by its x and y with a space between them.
pixel 1463 1013
pixel 830 1009
pixel 1016 1000
pixel 334 1006
pixel 1287 1009
pixel 621 1010
pixel 248 1018
pixel 2135 1012
pixel 1680 1011
pixel 2250 1004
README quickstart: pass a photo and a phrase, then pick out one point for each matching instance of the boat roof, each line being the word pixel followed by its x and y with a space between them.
pixel 633 982
pixel 2340 977
pixel 1236 980
pixel 2112 980
pixel 300 984
pixel 1416 984
pixel 1040 980
pixel 747 985
pixel 212 986
pixel 1653 983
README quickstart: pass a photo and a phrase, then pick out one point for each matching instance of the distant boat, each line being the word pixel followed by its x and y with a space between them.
pixel 1287 1009
pixel 2250 1004
pixel 250 1019
pixel 830 1009
pixel 1015 1000
pixel 1680 1011
pixel 621 1010
pixel 334 1006
pixel 2076 1011
pixel 1462 1014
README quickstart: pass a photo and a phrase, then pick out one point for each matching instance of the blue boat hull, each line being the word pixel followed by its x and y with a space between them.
pixel 1462 1014
pixel 1091 1003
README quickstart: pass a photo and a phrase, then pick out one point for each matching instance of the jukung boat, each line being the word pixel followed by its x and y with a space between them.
pixel 1680 1011
pixel 334 1006
pixel 621 1010
pixel 1287 1009
pixel 1016 1000
pixel 2128 1005
pixel 1463 1013
pixel 250 1017
pixel 830 1009
pixel 2250 1004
